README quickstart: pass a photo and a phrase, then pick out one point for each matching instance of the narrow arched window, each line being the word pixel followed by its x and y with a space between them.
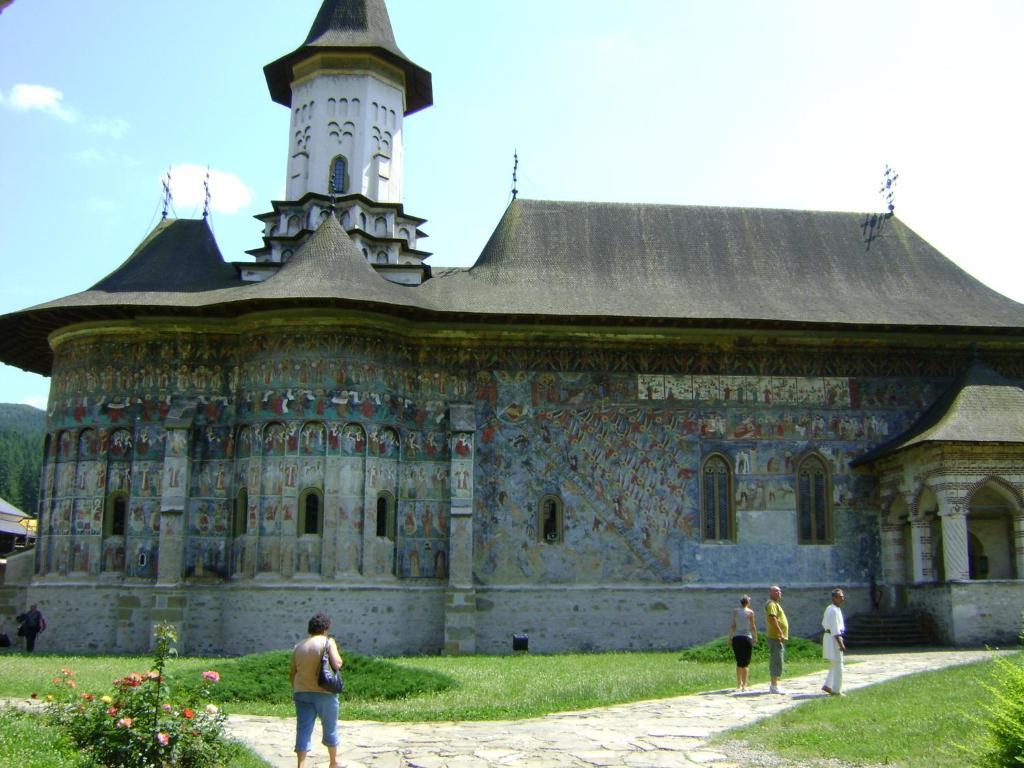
pixel 717 500
pixel 551 520
pixel 814 501
pixel 339 170
pixel 242 512
pixel 115 515
pixel 385 515
pixel 311 512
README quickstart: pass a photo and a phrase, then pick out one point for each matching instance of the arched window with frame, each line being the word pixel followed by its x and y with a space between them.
pixel 814 501
pixel 718 514
pixel 385 516
pixel 311 512
pixel 115 514
pixel 339 175
pixel 551 519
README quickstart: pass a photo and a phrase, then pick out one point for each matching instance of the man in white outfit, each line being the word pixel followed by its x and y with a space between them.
pixel 832 645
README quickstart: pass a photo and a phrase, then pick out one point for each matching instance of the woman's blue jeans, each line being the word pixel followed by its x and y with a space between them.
pixel 309 706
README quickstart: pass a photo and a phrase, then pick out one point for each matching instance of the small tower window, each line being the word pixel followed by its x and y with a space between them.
pixel 339 173
pixel 386 516
pixel 814 500
pixel 311 513
pixel 716 490
pixel 551 520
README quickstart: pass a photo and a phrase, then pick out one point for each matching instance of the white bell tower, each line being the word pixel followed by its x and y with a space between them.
pixel 349 88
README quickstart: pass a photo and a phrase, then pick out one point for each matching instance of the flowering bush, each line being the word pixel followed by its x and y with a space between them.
pixel 144 722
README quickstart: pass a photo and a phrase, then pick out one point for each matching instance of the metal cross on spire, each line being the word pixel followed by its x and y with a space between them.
pixel 515 174
pixel 206 193
pixel 888 190
pixel 166 183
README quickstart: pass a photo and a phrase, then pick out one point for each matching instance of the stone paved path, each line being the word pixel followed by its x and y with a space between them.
pixel 650 734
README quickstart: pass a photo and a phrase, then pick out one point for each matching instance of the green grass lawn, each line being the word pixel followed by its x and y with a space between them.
pixel 426 688
pixel 911 722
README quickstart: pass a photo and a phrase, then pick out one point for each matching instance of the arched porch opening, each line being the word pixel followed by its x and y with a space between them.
pixel 990 532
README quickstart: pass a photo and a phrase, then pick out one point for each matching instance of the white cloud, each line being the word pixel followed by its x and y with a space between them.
pixel 228 194
pixel 114 127
pixel 36 401
pixel 25 97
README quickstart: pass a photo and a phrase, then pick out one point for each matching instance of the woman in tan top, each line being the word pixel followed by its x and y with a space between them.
pixel 312 701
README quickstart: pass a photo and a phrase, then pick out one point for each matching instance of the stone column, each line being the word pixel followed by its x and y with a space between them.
pixel 921 551
pixel 954 546
pixel 1018 544
pixel 460 596
pixel 893 556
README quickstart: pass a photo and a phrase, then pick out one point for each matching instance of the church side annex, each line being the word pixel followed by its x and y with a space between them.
pixel 620 417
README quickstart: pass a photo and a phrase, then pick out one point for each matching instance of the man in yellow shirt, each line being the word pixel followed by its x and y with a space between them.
pixel 777 630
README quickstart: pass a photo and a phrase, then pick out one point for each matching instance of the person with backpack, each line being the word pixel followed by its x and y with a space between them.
pixel 30 624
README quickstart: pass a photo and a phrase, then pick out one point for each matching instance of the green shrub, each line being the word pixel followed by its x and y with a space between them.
pixel 720 650
pixel 264 677
pixel 1003 745
pixel 144 721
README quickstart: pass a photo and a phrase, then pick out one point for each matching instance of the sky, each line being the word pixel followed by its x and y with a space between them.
pixel 784 104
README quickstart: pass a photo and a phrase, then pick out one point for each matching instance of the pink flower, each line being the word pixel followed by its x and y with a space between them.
pixel 66 672
pixel 212 676
pixel 152 675
pixel 166 707
pixel 112 711
pixel 163 738
pixel 124 722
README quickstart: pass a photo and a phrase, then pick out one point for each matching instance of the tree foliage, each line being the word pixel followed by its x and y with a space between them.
pixel 22 430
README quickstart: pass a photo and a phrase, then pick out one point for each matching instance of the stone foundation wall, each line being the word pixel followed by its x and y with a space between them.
pixel 973 613
pixel 990 612
pixel 390 620
pixel 591 618
pixel 385 620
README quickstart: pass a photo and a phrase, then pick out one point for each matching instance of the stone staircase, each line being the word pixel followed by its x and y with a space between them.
pixel 888 629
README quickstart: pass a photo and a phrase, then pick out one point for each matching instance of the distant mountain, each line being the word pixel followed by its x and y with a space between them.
pixel 23 417
pixel 22 430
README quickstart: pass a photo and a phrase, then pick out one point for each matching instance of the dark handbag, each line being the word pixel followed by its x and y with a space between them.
pixel 21 630
pixel 328 679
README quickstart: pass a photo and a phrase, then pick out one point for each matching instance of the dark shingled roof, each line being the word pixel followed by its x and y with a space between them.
pixel 981 406
pixel 178 250
pixel 329 267
pixel 356 26
pixel 571 263
pixel 705 263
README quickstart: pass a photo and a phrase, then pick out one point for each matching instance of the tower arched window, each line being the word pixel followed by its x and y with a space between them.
pixel 551 519
pixel 339 175
pixel 718 518
pixel 385 515
pixel 311 512
pixel 814 501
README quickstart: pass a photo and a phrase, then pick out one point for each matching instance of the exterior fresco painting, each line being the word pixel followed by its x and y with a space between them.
pixel 352 416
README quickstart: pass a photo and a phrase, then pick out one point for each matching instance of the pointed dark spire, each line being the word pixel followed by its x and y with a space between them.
pixel 347 22
pixel 356 26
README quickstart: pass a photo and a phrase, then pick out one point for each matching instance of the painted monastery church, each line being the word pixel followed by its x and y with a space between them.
pixel 619 419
